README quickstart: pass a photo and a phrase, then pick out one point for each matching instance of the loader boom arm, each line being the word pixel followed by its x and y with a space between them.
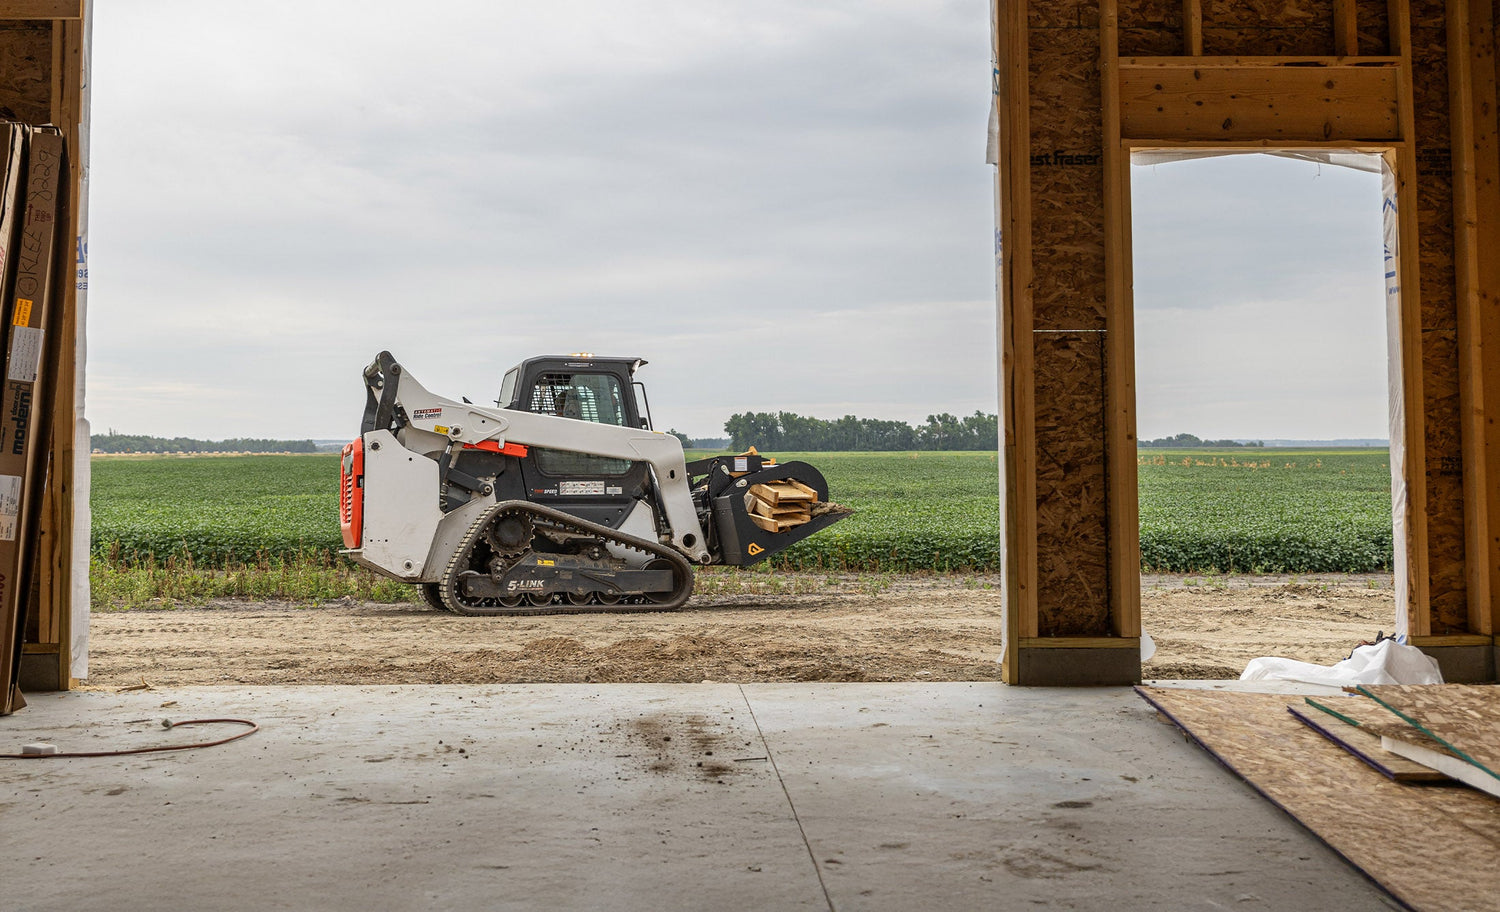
pixel 433 424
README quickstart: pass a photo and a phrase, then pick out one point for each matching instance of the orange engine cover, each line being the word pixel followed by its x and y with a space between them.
pixel 352 493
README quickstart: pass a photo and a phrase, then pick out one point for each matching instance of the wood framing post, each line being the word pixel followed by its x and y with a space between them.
pixel 1072 562
pixel 1013 253
pixel 1476 252
pixel 1120 443
pixel 1079 83
pixel 55 590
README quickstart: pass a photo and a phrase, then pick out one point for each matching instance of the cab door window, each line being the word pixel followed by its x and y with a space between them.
pixel 595 398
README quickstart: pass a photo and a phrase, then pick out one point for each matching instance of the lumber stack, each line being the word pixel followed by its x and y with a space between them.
pixel 32 172
pixel 777 506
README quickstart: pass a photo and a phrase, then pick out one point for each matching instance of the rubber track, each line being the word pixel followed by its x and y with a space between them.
pixel 459 563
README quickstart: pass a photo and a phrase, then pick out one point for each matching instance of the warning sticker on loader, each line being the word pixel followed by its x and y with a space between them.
pixel 580 487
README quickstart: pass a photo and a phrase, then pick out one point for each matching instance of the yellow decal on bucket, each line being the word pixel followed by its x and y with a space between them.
pixel 754 549
pixel 23 312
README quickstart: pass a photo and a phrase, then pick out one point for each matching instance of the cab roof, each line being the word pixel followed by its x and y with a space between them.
pixel 581 361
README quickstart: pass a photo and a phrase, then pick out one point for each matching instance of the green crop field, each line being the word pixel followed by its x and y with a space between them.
pixel 216 509
pixel 1270 511
pixel 1222 510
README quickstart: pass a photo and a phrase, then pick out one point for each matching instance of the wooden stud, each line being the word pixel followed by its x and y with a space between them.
pixel 1192 27
pixel 1122 480
pixel 1345 28
pixel 55 551
pixel 1481 109
pixel 1017 366
pixel 1403 161
pixel 1466 257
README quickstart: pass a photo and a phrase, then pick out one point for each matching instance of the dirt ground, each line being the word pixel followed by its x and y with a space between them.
pixel 807 628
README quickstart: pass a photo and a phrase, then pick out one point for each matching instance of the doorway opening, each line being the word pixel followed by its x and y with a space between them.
pixel 1268 407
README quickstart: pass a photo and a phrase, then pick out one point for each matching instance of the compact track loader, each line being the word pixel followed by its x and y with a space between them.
pixel 559 499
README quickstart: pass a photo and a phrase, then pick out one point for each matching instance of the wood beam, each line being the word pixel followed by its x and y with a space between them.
pixel 1231 102
pixel 41 9
pixel 1280 60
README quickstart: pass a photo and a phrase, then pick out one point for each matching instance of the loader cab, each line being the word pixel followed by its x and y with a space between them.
pixel 600 390
pixel 582 388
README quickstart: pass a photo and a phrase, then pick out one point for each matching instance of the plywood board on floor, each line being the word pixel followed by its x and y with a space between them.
pixel 1403 837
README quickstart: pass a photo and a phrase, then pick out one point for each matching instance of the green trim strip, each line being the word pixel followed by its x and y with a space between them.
pixel 1429 733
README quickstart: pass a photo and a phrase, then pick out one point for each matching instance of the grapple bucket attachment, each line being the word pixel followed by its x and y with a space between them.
pixel 749 524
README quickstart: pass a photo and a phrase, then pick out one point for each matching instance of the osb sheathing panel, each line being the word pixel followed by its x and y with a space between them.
pixel 1067 180
pixel 1151 28
pixel 1073 14
pixel 1068 312
pixel 1072 543
pixel 1373 18
pixel 1268 27
pixel 26 73
pixel 1150 42
pixel 1262 14
pixel 1445 492
pixel 1431 846
pixel 1267 42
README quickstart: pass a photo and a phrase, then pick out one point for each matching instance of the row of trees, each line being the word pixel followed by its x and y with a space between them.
pixel 788 431
pixel 139 443
pixel 1187 441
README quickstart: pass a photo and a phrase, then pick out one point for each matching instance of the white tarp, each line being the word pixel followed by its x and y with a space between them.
pixel 1385 662
pixel 1395 400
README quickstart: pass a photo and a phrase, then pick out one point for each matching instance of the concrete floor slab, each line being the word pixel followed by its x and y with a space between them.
pixel 976 796
pixel 659 797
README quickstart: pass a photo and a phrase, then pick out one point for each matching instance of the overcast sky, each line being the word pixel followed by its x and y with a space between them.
pixel 781 205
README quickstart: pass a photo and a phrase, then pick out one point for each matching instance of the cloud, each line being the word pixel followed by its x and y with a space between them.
pixel 781 205
pixel 1260 300
pixel 663 175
